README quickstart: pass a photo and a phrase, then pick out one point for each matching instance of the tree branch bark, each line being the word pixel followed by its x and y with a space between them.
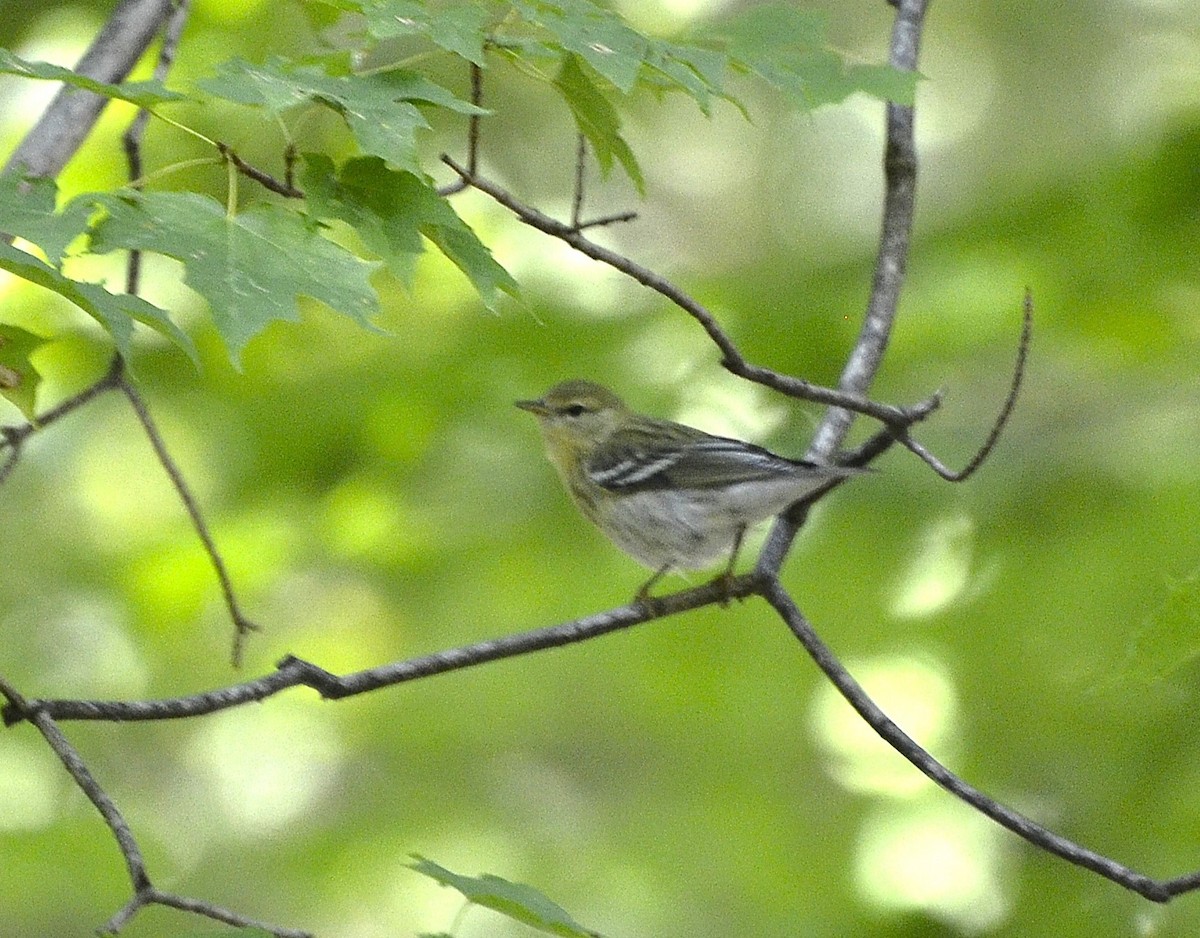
pixel 70 117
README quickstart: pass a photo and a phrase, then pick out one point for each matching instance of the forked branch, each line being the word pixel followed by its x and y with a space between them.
pixel 144 891
pixel 732 358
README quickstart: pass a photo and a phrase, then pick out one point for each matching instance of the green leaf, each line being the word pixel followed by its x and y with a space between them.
pixel 698 72
pixel 250 267
pixel 884 82
pixel 1168 640
pixel 460 28
pixel 19 378
pixel 597 119
pixel 142 93
pixel 378 108
pixel 786 47
pixel 767 30
pixel 322 14
pixel 599 36
pixel 116 312
pixel 27 210
pixel 392 210
pixel 515 900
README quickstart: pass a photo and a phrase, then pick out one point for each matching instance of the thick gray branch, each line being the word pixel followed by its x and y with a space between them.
pixel 73 112
pixel 900 174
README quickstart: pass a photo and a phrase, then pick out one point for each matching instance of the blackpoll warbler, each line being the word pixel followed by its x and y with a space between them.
pixel 671 496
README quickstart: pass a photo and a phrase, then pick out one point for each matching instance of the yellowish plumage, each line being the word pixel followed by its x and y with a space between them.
pixel 669 495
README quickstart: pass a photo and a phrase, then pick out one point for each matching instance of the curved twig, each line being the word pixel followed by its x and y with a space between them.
pixel 132 141
pixel 473 126
pixel 1014 390
pixel 284 187
pixel 243 626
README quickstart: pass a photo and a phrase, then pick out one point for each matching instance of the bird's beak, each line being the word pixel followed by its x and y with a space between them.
pixel 537 407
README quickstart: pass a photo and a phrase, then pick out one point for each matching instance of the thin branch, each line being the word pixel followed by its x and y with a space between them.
pixel 1155 890
pixel 289 167
pixel 900 174
pixel 154 896
pixel 577 222
pixel 131 140
pixel 144 891
pixel 1014 390
pixel 74 764
pixel 13 438
pixel 732 358
pixel 12 443
pixel 242 624
pixel 577 194
pixel 603 220
pixel 284 187
pixel 294 672
pixel 900 180
pixel 473 125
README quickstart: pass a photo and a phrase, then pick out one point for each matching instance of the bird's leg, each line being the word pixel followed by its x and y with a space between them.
pixel 643 594
pixel 726 578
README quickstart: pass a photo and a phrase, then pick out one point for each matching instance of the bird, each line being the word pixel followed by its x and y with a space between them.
pixel 671 496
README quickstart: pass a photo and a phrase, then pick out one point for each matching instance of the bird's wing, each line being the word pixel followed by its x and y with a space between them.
pixel 632 463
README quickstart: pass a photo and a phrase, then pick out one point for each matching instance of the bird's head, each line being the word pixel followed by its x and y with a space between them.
pixel 576 415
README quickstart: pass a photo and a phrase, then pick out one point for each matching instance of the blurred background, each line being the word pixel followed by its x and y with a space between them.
pixel 377 497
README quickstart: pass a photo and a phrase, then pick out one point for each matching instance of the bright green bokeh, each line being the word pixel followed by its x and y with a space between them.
pixel 377 497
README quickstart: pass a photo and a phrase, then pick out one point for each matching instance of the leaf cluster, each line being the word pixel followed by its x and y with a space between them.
pixel 252 259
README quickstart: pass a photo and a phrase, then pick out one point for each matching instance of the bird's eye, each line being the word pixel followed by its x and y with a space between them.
pixel 574 410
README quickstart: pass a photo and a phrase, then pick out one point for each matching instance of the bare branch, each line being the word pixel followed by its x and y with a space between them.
pixel 242 624
pixel 900 174
pixel 602 220
pixel 74 764
pixel 13 438
pixel 577 195
pixel 732 357
pixel 11 442
pixel 151 895
pixel 131 140
pixel 67 121
pixel 294 672
pixel 283 187
pixel 144 892
pixel 900 180
pixel 472 135
pixel 1014 390
pixel 1155 890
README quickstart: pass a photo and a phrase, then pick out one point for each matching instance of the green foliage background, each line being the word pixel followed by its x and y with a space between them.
pixel 377 497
